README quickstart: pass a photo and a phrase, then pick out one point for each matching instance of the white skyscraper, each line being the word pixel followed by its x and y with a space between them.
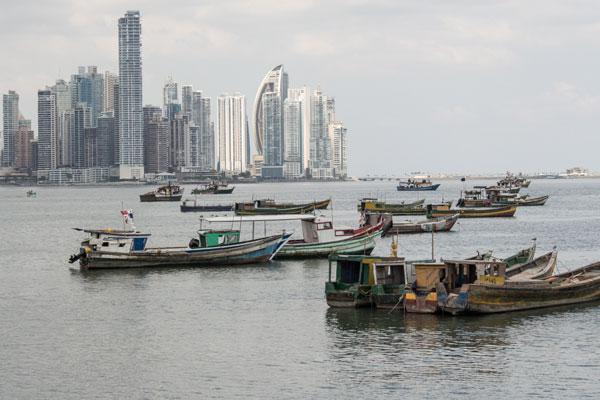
pixel 292 130
pixel 303 96
pixel 63 104
pixel 131 134
pixel 186 99
pixel 233 134
pixel 47 130
pixel 10 125
pixel 170 102
pixel 320 144
pixel 339 159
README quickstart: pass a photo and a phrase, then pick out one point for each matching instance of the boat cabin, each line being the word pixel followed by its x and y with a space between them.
pixel 114 240
pixel 215 238
pixel 455 273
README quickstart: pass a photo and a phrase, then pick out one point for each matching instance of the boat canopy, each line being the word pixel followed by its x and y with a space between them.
pixel 261 218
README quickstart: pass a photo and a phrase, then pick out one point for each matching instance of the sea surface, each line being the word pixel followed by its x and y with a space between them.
pixel 265 331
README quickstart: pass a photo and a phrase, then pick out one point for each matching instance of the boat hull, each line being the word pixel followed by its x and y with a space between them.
pixel 417 188
pixel 441 225
pixel 355 245
pixel 495 212
pixel 248 252
pixel 151 197
pixel 353 296
pixel 185 208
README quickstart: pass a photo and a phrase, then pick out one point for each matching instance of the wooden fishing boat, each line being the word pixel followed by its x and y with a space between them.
pixel 270 203
pixel 191 205
pixel 354 279
pixel 242 209
pixel 443 210
pixel 491 292
pixel 520 200
pixel 474 198
pixel 442 224
pixel 107 248
pixel 213 188
pixel 413 186
pixel 539 268
pixel 522 257
pixel 376 206
pixel 163 193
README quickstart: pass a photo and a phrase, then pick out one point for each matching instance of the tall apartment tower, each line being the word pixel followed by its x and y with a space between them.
pixel 47 130
pixel 110 85
pixel 186 100
pixel 23 141
pixel 10 125
pixel 320 144
pixel 170 102
pixel 233 134
pixel 206 140
pixel 131 123
pixel 272 136
pixel 339 149
pixel 292 138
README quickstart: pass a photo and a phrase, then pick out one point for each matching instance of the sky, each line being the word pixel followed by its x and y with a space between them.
pixel 463 86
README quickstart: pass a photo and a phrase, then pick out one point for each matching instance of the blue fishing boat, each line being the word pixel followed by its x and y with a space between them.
pixel 417 185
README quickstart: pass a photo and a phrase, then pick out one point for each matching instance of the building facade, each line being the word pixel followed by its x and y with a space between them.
pixel 131 135
pixel 47 130
pixel 272 136
pixel 23 141
pixel 275 81
pixel 292 138
pixel 339 158
pixel 233 133
pixel 10 125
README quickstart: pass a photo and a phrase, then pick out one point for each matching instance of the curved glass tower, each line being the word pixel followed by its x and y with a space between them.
pixel 274 82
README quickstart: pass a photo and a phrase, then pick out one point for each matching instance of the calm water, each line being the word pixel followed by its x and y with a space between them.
pixel 266 331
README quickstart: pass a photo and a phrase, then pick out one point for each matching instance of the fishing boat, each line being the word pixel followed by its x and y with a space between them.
pixel 270 203
pixel 443 210
pixel 539 268
pixel 163 193
pixel 355 277
pixel 376 206
pixel 511 198
pixel 213 188
pixel 31 193
pixel 319 237
pixel 474 198
pixel 442 224
pixel 412 185
pixel 491 292
pixel 523 256
pixel 240 210
pixel 514 181
pixel 191 205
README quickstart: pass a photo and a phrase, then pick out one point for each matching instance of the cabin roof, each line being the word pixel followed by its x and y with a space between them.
pixel 113 232
pixel 260 218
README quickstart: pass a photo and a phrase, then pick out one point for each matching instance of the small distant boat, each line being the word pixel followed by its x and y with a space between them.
pixel 514 181
pixel 520 201
pixel 163 193
pixel 252 209
pixel 413 185
pixel 376 206
pixel 442 224
pixel 522 257
pixel 191 205
pixel 213 188
pixel 248 208
pixel 31 193
pixel 442 210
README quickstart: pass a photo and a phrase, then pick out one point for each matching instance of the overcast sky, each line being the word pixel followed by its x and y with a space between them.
pixel 456 86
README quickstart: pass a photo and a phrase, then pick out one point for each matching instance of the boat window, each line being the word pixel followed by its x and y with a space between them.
pixel 104 244
pixel 324 226
pixel 343 232
pixel 121 244
pixel 348 271
pixel 390 274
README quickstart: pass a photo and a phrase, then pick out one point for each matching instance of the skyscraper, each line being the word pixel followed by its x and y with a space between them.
pixel 206 140
pixel 81 122
pixel 275 81
pixel 320 145
pixel 156 140
pixel 106 139
pixel 272 136
pixel 303 96
pixel 87 86
pixel 170 91
pixel 292 132
pixel 47 130
pixel 110 85
pixel 10 125
pixel 339 158
pixel 233 135
pixel 63 103
pixel 179 142
pixel 131 135
pixel 186 100
pixel 23 141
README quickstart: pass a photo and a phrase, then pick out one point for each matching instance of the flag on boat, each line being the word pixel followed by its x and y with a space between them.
pixel 127 215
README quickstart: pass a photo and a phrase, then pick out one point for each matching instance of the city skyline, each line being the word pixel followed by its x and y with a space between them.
pixel 464 82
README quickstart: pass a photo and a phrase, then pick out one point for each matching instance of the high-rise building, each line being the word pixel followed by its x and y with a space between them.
pixel 90 147
pixel 79 135
pixel 87 86
pixel 303 96
pixel 206 141
pixel 292 133
pixel 275 81
pixel 131 134
pixel 337 137
pixel 170 91
pixel 320 144
pixel 105 136
pixel 110 84
pixel 156 142
pixel 197 108
pixel 117 146
pixel 233 134
pixel 23 141
pixel 63 104
pixel 186 100
pixel 47 131
pixel 10 125
pixel 272 136
pixel 179 143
